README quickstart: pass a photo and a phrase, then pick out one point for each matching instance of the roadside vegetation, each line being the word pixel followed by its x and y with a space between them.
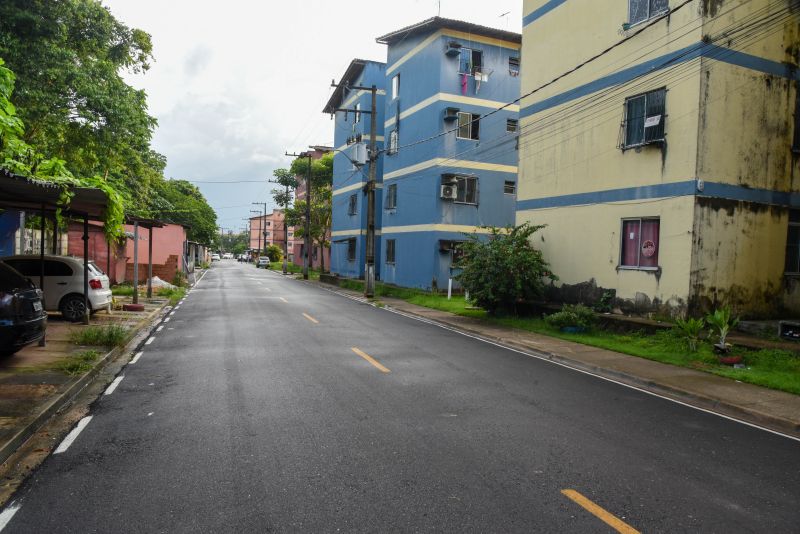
pixel 108 336
pixel 79 363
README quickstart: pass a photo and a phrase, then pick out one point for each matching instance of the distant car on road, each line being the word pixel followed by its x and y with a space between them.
pixel 227 256
pixel 263 261
pixel 23 319
pixel 63 283
pixel 215 257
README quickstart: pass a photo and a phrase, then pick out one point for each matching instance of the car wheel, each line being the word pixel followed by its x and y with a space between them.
pixel 73 308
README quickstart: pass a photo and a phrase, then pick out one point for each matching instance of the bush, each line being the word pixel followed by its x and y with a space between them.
pixel 571 315
pixel 274 253
pixel 180 279
pixel 174 295
pixel 690 330
pixel 504 270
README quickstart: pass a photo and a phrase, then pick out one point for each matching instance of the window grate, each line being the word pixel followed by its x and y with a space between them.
pixel 644 119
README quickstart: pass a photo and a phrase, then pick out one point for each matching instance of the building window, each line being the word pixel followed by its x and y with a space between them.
pixel 640 240
pixel 641 10
pixel 513 66
pixel 390 250
pixel 467 190
pixel 357 114
pixel 644 118
pixel 796 140
pixel 470 61
pixel 351 249
pixel 391 197
pixel 352 205
pixel 395 87
pixel 512 125
pixel 468 126
pixel 792 244
pixel 509 188
pixel 392 142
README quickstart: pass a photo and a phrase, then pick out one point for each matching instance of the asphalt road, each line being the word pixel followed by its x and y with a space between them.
pixel 250 411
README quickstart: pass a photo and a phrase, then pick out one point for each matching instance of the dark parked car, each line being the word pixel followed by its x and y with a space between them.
pixel 22 316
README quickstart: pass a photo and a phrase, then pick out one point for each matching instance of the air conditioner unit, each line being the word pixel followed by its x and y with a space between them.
pixel 449 179
pixel 453 49
pixel 451 114
pixel 449 192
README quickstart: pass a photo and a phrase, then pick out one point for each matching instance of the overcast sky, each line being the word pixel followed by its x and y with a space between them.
pixel 236 84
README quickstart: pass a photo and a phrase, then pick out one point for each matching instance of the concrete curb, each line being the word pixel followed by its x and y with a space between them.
pixel 74 389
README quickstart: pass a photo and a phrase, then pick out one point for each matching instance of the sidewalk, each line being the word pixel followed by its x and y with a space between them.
pixel 33 388
pixel 765 407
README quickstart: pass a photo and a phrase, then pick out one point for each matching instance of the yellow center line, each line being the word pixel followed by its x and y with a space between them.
pixel 283 299
pixel 307 316
pixel 371 360
pixel 607 518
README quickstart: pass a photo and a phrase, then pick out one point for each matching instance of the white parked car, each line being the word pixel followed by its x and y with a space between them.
pixel 215 257
pixel 63 283
pixel 227 256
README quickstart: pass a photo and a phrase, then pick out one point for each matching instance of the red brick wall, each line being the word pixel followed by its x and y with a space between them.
pixel 165 271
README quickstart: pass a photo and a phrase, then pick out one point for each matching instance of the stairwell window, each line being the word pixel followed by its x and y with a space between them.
pixel 390 247
pixel 391 197
pixel 352 205
pixel 513 66
pixel 793 244
pixel 512 125
pixel 640 243
pixel 644 119
pixel 395 87
pixel 468 126
pixel 392 149
pixel 509 188
pixel 351 249
pixel 642 10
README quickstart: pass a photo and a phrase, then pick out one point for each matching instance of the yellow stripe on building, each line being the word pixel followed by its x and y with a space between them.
pixel 353 233
pixel 458 228
pixel 446 162
pixel 358 94
pixel 451 99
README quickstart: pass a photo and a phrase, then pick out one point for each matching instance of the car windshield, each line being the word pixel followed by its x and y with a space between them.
pixel 11 280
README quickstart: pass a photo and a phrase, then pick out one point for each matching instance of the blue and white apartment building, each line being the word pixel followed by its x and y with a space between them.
pixel 351 139
pixel 450 164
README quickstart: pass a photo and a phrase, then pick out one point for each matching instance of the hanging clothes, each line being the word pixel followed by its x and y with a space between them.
pixel 464 84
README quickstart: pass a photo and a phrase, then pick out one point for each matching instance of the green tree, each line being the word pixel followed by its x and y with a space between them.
pixel 182 203
pixel 504 270
pixel 321 195
pixel 68 56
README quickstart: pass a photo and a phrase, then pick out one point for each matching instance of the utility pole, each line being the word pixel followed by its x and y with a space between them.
pixel 369 263
pixel 308 244
pixel 259 228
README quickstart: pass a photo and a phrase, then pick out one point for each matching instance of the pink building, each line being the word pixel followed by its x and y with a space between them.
pixel 317 256
pixel 169 245
pixel 109 257
pixel 271 227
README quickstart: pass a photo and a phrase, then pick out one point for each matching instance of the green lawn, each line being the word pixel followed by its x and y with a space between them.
pixel 773 368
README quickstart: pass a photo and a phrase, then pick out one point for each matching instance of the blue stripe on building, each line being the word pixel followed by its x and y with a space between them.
pixel 675 189
pixel 536 14
pixel 683 55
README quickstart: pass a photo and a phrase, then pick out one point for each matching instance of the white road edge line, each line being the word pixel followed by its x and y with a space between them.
pixel 160 328
pixel 114 385
pixel 72 436
pixel 136 358
pixel 149 340
pixel 566 366
pixel 8 513
pixel 166 320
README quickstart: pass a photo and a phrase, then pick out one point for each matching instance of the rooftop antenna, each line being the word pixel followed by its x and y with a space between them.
pixel 439 13
pixel 506 16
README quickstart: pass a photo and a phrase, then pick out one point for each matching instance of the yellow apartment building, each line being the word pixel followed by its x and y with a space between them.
pixel 659 144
